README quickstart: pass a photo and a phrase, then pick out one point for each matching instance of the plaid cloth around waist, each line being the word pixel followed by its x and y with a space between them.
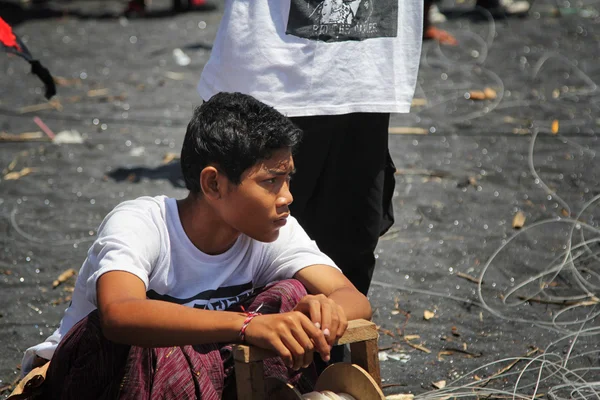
pixel 88 366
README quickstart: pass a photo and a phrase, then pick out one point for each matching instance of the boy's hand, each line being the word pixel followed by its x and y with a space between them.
pixel 292 335
pixel 325 314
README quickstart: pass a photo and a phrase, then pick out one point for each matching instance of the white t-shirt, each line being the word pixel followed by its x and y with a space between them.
pixel 145 237
pixel 318 57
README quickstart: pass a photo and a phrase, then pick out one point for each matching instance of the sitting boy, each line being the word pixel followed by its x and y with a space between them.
pixel 169 283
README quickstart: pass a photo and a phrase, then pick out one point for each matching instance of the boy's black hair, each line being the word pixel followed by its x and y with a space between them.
pixel 233 132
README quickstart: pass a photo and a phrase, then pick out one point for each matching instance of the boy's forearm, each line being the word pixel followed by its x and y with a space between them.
pixel 354 303
pixel 153 323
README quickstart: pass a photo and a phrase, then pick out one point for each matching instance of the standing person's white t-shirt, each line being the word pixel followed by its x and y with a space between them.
pixel 318 57
pixel 146 238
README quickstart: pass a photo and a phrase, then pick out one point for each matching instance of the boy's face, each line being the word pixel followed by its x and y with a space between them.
pixel 259 205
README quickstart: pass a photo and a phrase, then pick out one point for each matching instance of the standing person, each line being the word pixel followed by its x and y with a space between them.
pixel 338 68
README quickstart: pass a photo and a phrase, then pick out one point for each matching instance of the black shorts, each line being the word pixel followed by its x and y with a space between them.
pixel 343 188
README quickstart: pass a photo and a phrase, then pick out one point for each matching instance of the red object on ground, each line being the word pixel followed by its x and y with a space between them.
pixel 135 8
pixel 12 44
pixel 7 37
pixel 44 127
pixel 440 35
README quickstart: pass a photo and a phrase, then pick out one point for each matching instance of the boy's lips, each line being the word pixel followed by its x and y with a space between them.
pixel 281 221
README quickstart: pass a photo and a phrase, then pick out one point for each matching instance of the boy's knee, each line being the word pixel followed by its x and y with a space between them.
pixel 290 288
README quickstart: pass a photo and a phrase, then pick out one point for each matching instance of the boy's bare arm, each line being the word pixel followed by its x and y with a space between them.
pixel 128 317
pixel 333 301
pixel 322 279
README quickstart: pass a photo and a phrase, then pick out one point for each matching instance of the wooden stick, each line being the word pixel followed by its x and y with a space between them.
pixel 468 277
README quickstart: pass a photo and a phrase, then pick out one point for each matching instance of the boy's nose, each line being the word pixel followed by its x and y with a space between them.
pixel 285 197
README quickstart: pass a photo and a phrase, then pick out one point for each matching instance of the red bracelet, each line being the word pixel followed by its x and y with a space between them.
pixel 249 317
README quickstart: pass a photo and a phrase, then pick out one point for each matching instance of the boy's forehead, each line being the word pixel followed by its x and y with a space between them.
pixel 280 161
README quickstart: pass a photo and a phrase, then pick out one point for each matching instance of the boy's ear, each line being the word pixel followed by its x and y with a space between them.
pixel 209 182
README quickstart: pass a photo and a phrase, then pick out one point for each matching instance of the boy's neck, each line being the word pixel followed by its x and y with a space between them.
pixel 205 229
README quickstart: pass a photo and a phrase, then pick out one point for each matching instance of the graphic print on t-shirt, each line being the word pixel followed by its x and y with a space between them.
pixel 342 20
pixel 219 299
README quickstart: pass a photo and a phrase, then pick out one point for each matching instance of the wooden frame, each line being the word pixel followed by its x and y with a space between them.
pixel 361 335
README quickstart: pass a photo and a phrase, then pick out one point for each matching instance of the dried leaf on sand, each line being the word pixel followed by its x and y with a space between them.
pixel 11 176
pixel 518 220
pixel 62 278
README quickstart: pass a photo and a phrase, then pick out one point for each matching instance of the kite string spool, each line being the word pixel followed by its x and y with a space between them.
pixel 327 395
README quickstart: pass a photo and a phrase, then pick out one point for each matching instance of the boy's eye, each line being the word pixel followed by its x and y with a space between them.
pixel 276 179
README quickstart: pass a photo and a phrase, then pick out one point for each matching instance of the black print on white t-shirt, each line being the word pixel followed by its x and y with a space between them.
pixel 223 304
pixel 342 20
pixel 218 299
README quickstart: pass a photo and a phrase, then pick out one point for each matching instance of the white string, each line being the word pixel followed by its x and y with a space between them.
pixel 17 228
pixel 328 395
pixel 569 367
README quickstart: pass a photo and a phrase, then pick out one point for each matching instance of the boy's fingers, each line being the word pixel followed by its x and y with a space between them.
pixel 296 350
pixel 307 344
pixel 320 343
pixel 284 353
pixel 315 312
pixel 343 324
pixel 326 322
pixel 335 321
pixel 308 359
